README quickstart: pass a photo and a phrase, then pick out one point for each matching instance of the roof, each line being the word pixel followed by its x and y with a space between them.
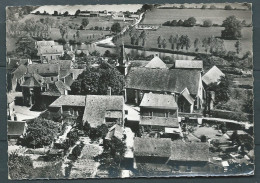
pixel 56 89
pixel 186 94
pixel 64 64
pixel 212 76
pixel 159 121
pixel 186 151
pixel 44 69
pixel 98 105
pixel 156 62
pixel 76 72
pixel 189 64
pixel 69 80
pixel 20 71
pixel 170 80
pixel 54 49
pixel 158 147
pixel 31 82
pixel 69 100
pixel 115 131
pixel 15 127
pixel 45 43
pixel 13 63
pixel 10 98
pixel 155 100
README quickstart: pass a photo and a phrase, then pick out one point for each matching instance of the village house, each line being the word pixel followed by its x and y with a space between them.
pixel 118 16
pixel 159 113
pixel 189 64
pixel 140 80
pixel 39 44
pixel 69 105
pixel 47 53
pixel 163 155
pixel 104 109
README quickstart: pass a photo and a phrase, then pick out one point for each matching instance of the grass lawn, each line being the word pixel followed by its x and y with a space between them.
pixel 159 16
pixel 193 33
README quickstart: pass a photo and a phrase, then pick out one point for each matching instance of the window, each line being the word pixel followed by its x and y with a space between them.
pixel 52 79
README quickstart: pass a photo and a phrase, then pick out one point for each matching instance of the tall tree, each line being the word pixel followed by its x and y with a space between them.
pixel 85 22
pixel 196 44
pixel 164 43
pixel 238 46
pixel 143 37
pixel 232 29
pixel 159 41
pixel 116 27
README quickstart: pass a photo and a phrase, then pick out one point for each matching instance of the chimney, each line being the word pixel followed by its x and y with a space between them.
pixel 109 91
pixel 156 55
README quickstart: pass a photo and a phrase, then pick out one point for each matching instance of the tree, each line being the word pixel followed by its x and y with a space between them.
pixel 66 56
pixel 204 6
pixel 55 13
pixel 238 46
pixel 159 41
pixel 40 132
pixel 207 23
pixel 116 27
pixel 143 37
pixel 77 13
pixel 180 23
pixel 212 7
pixel 63 31
pixel 164 43
pixel 97 80
pixel 78 34
pixel 66 13
pixel 85 22
pixel 196 44
pixel 228 7
pixel 190 22
pixel 232 28
pixel 205 44
pixel 173 42
pixel 26 48
pixel 182 6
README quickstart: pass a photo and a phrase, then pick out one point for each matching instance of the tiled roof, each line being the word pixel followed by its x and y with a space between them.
pixel 69 100
pixel 189 64
pixel 115 131
pixel 69 80
pixel 212 76
pixel 44 69
pixel 20 71
pixel 156 62
pixel 64 64
pixel 56 89
pixel 157 147
pixel 15 127
pixel 186 94
pixel 169 80
pixel 155 100
pixel 31 82
pixel 186 151
pixel 159 121
pixel 98 105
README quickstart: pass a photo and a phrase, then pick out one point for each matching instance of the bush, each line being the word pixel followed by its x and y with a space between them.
pixel 207 23
pixel 228 7
pixel 61 41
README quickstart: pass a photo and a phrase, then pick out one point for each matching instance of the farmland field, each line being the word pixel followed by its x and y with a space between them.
pixel 159 16
pixel 196 32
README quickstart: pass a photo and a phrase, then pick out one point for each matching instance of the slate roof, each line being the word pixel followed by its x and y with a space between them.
pixel 186 151
pixel 159 121
pixel 157 147
pixel 212 76
pixel 31 82
pixel 98 105
pixel 156 62
pixel 13 63
pixel 20 71
pixel 16 127
pixel 76 72
pixel 189 64
pixel 44 69
pixel 57 88
pixel 64 64
pixel 115 131
pixel 186 94
pixel 169 80
pixel 155 100
pixel 69 100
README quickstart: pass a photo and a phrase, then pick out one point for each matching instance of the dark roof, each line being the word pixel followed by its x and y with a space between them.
pixel 13 63
pixel 16 127
pixel 20 71
pixel 69 100
pixel 56 89
pixel 44 69
pixel 212 76
pixel 98 105
pixel 186 151
pixel 64 64
pixel 159 121
pixel 169 80
pixel 156 62
pixel 155 100
pixel 189 64
pixel 157 147
pixel 31 82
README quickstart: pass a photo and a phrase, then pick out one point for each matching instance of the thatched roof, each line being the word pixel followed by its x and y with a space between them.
pixel 168 80
pixel 98 105
pixel 155 100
